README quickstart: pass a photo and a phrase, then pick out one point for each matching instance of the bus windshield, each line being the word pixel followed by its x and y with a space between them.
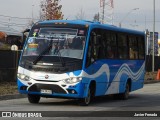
pixel 52 42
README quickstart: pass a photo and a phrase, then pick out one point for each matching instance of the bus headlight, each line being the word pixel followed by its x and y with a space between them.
pixel 23 77
pixel 72 80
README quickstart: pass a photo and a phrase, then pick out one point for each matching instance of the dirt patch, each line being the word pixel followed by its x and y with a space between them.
pixel 150 76
pixel 8 88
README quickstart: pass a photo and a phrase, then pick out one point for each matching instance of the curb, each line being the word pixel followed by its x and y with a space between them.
pixel 18 96
pixel 151 81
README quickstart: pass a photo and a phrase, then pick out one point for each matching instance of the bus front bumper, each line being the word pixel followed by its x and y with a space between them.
pixel 53 90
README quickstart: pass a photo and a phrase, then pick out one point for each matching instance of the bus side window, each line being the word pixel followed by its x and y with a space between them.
pixel 133 48
pixel 93 49
pixel 89 58
pixel 96 46
pixel 141 47
pixel 122 46
pixel 109 52
pixel 94 53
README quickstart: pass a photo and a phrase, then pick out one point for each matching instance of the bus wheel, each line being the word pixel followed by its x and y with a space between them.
pixel 33 98
pixel 86 101
pixel 125 95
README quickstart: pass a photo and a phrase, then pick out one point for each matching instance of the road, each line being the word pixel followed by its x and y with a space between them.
pixel 146 99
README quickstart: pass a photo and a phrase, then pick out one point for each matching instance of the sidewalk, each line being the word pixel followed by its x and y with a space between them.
pixel 17 96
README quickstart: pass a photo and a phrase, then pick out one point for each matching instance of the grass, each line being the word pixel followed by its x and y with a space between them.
pixel 8 88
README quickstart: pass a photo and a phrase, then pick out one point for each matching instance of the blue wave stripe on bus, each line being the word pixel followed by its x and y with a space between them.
pixel 126 69
pixel 105 68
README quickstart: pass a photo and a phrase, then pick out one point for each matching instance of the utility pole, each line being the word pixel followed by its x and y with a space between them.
pixel 106 11
pixel 153 35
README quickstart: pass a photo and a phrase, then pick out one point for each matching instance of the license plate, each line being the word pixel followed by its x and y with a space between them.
pixel 46 91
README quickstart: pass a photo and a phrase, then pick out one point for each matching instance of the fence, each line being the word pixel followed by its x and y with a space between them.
pixel 149 63
pixel 8 65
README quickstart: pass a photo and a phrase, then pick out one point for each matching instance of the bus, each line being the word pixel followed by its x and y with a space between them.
pixel 80 60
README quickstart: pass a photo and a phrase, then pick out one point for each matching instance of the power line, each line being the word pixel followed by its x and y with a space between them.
pixel 16 17
pixel 12 23
pixel 138 21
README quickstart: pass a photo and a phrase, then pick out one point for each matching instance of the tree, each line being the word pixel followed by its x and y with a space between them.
pixel 96 17
pixel 51 10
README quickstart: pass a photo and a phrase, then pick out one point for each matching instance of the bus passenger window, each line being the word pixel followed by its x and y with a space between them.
pixel 133 49
pixel 122 46
pixel 109 52
pixel 141 48
pixel 133 53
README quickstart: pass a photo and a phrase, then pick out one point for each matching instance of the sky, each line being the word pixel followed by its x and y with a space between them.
pixel 139 19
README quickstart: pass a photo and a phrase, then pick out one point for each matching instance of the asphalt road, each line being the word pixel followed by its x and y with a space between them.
pixel 146 100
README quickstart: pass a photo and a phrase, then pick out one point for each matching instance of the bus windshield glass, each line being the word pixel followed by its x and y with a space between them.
pixel 61 42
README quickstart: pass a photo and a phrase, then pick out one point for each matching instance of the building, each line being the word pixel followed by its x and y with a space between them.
pixel 9 37
pixel 158 47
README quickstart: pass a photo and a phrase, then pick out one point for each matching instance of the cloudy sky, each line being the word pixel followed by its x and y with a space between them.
pixel 139 19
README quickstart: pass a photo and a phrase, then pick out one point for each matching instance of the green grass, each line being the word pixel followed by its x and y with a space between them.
pixel 8 88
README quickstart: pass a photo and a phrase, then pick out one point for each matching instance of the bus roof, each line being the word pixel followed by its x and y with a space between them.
pixel 93 25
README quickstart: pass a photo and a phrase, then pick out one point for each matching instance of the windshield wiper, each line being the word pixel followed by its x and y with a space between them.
pixel 43 52
pixel 47 50
pixel 59 55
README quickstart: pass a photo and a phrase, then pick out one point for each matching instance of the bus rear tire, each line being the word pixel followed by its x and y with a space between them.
pixel 125 94
pixel 33 98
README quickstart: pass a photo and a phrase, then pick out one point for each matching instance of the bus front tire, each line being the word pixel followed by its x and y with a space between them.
pixel 86 101
pixel 33 98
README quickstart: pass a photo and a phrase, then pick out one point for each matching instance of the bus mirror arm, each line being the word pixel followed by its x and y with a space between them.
pixel 26 30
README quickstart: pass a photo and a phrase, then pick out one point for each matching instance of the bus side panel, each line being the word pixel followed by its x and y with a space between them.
pixel 136 85
pixel 124 71
pixel 98 72
pixel 123 81
pixel 138 82
pixel 101 87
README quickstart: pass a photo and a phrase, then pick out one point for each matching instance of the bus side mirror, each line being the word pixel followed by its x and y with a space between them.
pixel 26 30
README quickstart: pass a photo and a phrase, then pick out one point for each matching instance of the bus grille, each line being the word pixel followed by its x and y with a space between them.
pixel 55 88
pixel 44 69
